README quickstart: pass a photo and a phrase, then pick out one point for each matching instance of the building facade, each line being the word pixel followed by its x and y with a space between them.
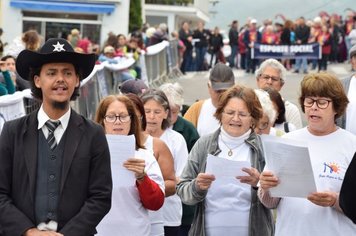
pixel 175 12
pixel 93 18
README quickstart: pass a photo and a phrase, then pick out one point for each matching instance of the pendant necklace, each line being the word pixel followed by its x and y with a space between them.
pixel 230 152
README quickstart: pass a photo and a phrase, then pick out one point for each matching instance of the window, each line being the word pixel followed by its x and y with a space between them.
pixel 59 25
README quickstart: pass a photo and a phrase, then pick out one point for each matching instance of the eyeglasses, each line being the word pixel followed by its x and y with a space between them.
pixel 113 118
pixel 262 126
pixel 240 115
pixel 322 103
pixel 268 77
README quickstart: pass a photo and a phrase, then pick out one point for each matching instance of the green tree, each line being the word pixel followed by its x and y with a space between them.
pixel 135 19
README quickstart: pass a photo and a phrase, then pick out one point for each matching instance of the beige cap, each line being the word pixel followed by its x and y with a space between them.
pixel 221 77
pixel 109 49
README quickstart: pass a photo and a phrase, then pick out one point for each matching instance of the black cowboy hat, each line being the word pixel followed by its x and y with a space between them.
pixel 54 50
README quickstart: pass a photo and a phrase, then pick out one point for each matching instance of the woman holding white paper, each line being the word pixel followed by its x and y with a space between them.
pixel 158 112
pixel 130 204
pixel 331 150
pixel 228 206
pixel 165 161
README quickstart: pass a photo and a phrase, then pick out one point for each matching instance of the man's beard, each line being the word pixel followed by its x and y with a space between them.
pixel 60 105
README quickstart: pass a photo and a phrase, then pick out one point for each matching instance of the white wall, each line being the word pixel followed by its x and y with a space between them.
pixel 117 22
pixel 10 21
pixel 170 19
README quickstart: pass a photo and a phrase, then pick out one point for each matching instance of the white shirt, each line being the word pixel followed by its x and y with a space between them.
pixel 156 217
pixel 127 215
pixel 228 202
pixel 330 156
pixel 293 114
pixel 207 123
pixel 42 118
pixel 351 107
pixel 172 207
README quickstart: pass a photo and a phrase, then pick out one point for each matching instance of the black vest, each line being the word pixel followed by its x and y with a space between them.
pixel 49 166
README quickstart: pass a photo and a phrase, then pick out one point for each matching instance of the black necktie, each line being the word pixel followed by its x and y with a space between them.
pixel 52 126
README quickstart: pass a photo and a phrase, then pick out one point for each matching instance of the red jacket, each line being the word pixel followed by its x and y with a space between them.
pixel 324 39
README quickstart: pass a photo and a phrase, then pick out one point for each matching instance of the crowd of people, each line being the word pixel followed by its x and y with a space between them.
pixel 58 172
pixel 201 48
pixel 335 35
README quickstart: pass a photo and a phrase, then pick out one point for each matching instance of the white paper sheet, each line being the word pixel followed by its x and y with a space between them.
pixel 289 160
pixel 121 148
pixel 221 167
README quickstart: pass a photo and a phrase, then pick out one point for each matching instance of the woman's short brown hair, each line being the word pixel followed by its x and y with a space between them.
pixel 245 94
pixel 135 127
pixel 324 85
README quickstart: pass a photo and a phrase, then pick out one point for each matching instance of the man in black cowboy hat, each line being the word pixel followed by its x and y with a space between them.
pixel 55 176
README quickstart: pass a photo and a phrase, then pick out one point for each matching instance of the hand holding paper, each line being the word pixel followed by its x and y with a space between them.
pixel 135 165
pixel 203 181
pixel 229 171
pixel 252 178
pixel 288 160
pixel 221 167
pixel 268 180
pixel 324 199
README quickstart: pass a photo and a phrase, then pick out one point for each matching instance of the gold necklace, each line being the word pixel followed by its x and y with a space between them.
pixel 230 152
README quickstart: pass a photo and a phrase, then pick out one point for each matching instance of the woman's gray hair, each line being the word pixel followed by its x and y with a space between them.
pixel 158 96
pixel 174 93
pixel 274 64
pixel 267 105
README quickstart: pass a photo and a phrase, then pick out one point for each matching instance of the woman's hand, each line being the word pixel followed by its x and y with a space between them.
pixel 324 199
pixel 3 66
pixel 137 166
pixel 203 181
pixel 268 180
pixel 252 178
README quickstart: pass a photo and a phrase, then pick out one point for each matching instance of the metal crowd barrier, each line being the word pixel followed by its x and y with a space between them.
pixel 156 63
pixel 173 59
pixel 160 64
pixel 89 98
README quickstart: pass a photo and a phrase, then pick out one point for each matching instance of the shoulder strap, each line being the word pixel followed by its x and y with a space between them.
pixel 286 127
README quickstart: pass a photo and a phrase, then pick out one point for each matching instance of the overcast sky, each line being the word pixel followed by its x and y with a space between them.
pixel 228 10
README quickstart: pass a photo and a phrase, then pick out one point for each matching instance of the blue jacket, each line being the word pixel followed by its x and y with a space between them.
pixel 8 87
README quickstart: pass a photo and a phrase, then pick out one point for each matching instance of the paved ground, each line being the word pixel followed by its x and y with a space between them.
pixel 195 83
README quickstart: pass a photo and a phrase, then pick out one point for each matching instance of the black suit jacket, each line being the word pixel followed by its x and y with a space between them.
pixel 85 186
pixel 347 198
